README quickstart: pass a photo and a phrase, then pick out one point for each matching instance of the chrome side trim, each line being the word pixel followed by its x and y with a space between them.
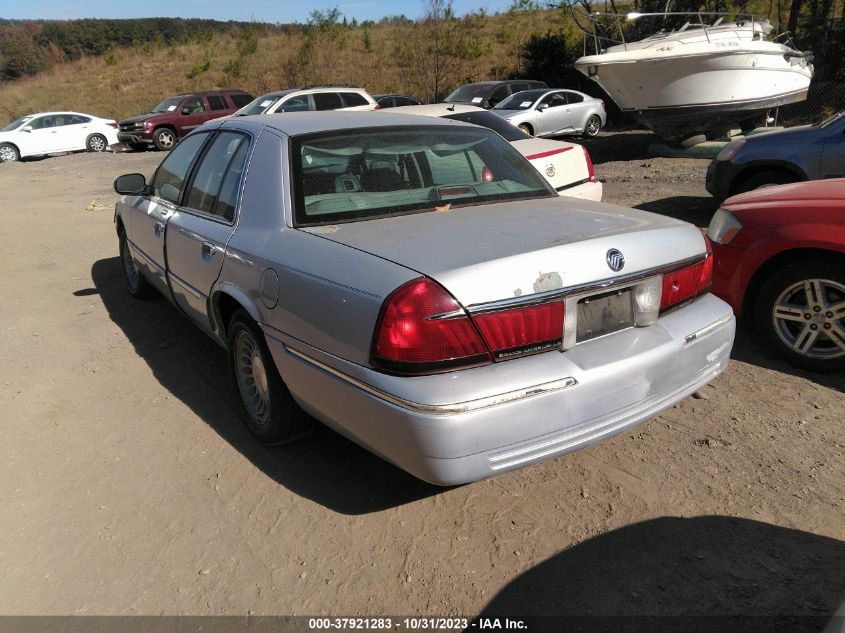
pixel 441 409
pixel 604 284
pixel 689 338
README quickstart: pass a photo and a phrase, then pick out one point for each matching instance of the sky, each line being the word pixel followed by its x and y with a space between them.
pixel 245 10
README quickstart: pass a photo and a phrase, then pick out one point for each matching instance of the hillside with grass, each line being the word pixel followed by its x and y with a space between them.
pixel 425 58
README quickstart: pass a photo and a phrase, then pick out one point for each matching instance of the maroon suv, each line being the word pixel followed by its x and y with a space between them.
pixel 173 118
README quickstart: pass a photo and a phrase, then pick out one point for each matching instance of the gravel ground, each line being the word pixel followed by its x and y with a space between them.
pixel 129 487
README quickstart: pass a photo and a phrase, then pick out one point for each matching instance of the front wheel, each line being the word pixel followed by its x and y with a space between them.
pixel 593 126
pixel 9 153
pixel 164 139
pixel 800 314
pixel 526 128
pixel 96 143
pixel 268 409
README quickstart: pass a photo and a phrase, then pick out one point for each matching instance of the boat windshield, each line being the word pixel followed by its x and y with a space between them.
pixel 520 100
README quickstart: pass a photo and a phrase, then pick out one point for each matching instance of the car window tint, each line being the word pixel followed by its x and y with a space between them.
pixel 193 105
pixel 61 120
pixel 209 176
pixel 41 122
pixel 327 101
pixel 389 102
pixel 299 103
pixel 75 119
pixel 351 99
pixel 554 100
pixel 227 200
pixel 572 97
pixel 170 177
pixel 217 102
pixel 240 100
pixel 498 94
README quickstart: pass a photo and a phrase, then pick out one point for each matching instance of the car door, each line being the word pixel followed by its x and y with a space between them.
pixel 833 154
pixel 193 112
pixel 41 136
pixel 551 114
pixel 147 223
pixel 198 231
pixel 579 111
pixel 74 131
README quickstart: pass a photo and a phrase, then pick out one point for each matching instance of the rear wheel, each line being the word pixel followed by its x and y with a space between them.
pixel 765 179
pixel 526 128
pixel 268 409
pixel 164 139
pixel 136 284
pixel 593 126
pixel 800 314
pixel 9 153
pixel 96 143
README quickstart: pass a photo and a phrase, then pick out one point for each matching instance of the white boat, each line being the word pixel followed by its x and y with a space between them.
pixel 700 78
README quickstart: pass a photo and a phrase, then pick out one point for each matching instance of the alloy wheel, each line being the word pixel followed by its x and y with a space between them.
pixel 809 318
pixel 8 154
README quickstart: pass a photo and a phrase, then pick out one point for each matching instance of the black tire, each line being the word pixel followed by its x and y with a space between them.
pixel 526 128
pixel 136 283
pixel 9 153
pixel 794 319
pixel 96 143
pixel 692 141
pixel 165 139
pixel 593 126
pixel 765 179
pixel 268 410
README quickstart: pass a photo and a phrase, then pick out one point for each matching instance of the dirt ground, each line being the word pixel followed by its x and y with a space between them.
pixel 128 486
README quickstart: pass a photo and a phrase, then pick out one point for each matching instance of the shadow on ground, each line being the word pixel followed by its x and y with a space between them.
pixel 672 574
pixel 323 467
pixel 617 146
pixel 695 209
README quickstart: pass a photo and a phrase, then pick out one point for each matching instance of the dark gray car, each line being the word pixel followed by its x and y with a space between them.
pixel 807 152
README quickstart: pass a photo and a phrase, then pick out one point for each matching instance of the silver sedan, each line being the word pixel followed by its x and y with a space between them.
pixel 420 288
pixel 554 112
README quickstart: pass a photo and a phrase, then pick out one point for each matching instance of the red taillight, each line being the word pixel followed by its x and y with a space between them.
pixel 378 107
pixel 590 169
pixel 112 124
pixel 522 330
pixel 423 329
pixel 689 282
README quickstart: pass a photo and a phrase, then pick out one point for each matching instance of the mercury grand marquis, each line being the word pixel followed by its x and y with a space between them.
pixel 420 288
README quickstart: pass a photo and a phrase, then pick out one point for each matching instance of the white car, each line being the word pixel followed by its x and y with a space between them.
pixel 310 99
pixel 567 166
pixel 53 132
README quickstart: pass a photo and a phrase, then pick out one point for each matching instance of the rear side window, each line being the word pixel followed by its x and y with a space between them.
pixel 389 102
pixel 240 99
pixel 217 102
pixel 215 185
pixel 327 101
pixel 571 97
pixel 351 99
pixel 75 119
pixel 169 180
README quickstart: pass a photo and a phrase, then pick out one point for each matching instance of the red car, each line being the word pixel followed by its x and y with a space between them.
pixel 779 256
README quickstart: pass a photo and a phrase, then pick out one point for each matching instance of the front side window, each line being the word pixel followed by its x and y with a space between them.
pixel 42 122
pixel 554 100
pixel 327 101
pixel 192 106
pixel 169 180
pixel 350 175
pixel 300 103
pixel 217 179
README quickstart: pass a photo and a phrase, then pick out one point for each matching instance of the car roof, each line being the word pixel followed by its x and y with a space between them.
pixel 201 93
pixel 56 112
pixel 296 123
pixel 438 109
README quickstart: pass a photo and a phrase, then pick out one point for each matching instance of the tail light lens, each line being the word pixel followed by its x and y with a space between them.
pixel 422 329
pixel 112 124
pixel 590 168
pixel 378 107
pixel 688 282
pixel 522 330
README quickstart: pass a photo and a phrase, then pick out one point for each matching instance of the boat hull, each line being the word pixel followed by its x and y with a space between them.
pixel 680 95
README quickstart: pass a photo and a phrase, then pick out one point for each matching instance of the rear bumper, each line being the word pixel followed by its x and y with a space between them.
pixel 587 191
pixel 467 425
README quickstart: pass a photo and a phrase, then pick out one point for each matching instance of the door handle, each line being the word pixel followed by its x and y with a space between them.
pixel 158 228
pixel 208 249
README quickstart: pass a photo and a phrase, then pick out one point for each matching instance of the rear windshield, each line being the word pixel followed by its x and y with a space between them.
pixel 350 175
pixel 470 93
pixel 168 105
pixel 520 100
pixel 259 105
pixel 500 126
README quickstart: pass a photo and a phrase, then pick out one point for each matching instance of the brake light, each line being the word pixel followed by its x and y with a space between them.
pixel 590 169
pixel 423 329
pixel 522 330
pixel 112 124
pixel 378 107
pixel 688 282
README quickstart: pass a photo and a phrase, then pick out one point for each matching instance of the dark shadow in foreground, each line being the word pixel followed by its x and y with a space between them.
pixel 671 574
pixel 695 209
pixel 323 466
pixel 619 146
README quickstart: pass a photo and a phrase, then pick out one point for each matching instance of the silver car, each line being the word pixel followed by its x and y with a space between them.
pixel 417 286
pixel 554 112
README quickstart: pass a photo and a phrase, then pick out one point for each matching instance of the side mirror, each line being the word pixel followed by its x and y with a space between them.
pixel 26 128
pixel 542 107
pixel 186 110
pixel 130 184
